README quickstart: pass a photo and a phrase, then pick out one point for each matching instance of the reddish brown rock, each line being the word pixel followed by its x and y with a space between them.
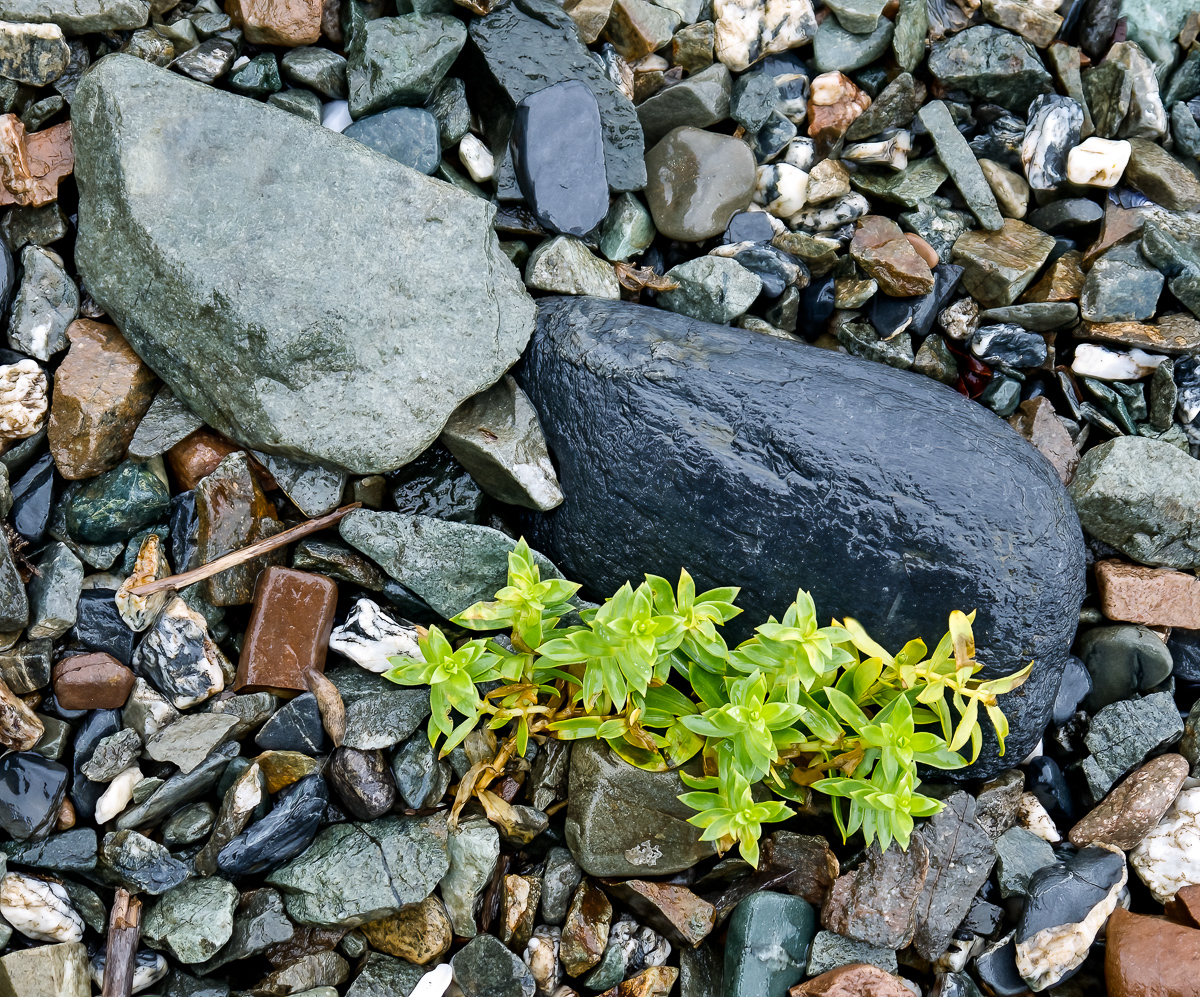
pixel 232 512
pixel 816 867
pixel 1127 813
pixel 277 22
pixel 101 391
pixel 66 816
pixel 1062 280
pixel 1150 957
pixel 585 930
pixel 197 456
pixel 288 632
pixel 1185 908
pixel 1157 597
pixel 924 250
pixel 877 902
pixel 833 104
pixel 31 166
pixel 1170 334
pixel 95 681
pixel 674 911
pixel 656 981
pixel 20 729
pixel 880 248
pixel 304 942
pixel 1036 421
pixel 856 980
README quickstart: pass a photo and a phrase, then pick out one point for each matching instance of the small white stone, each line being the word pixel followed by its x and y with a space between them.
pixel 434 983
pixel 335 115
pixel 652 63
pixel 39 909
pixel 1112 365
pixel 961 319
pixel 801 153
pixel 747 30
pixel 148 968
pixel 239 62
pixel 1098 162
pixel 892 152
pixel 23 402
pixel 1168 858
pixel 1032 816
pixel 541 956
pixel 477 158
pixel 116 798
pixel 781 189
pixel 369 637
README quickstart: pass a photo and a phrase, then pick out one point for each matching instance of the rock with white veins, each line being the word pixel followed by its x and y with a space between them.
pixel 46 303
pixel 179 657
pixel 1052 131
pixel 39 909
pixel 496 436
pixel 1168 858
pixel 23 401
pixel 139 611
pixel 1098 162
pixel 747 30
pixel 326 350
pixel 369 637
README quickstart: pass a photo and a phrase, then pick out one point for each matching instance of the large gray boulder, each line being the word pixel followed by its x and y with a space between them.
pixel 774 465
pixel 304 294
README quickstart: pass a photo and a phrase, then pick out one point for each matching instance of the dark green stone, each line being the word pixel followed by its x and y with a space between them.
pixel 1107 88
pixel 114 506
pixel 258 78
pixel 835 48
pixel 302 103
pixel 399 60
pixel 992 64
pixel 766 948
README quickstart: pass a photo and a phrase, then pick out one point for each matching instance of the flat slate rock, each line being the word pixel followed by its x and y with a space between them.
pixel 681 443
pixel 318 346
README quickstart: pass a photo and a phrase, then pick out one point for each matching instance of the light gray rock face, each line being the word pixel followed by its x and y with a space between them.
pixel 325 346
pixel 78 17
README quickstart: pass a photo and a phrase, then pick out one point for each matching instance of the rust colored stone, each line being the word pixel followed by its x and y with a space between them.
pixel 674 911
pixel 655 981
pixel 197 456
pixel 304 941
pixel 1131 809
pixel 1170 334
pixel 1062 281
pixel 585 930
pixel 1158 597
pixel 856 980
pixel 833 105
pixel 282 768
pixel 1185 908
pixel 288 631
pixel 66 816
pixel 101 391
pixel 1036 421
pixel 417 932
pixel 924 250
pixel 880 248
pixel 1118 225
pixel 20 729
pixel 277 22
pixel 1150 957
pixel 95 681
pixel 31 166
pixel 877 902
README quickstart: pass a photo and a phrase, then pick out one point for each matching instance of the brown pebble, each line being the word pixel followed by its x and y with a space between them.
pixel 66 816
pixel 653 981
pixel 288 632
pixel 924 250
pixel 1036 421
pixel 1157 597
pixel 856 980
pixel 1150 957
pixel 1185 908
pixel 1131 809
pixel 197 456
pixel 95 681
pixel 880 248
pixel 277 22
pixel 33 164
pixel 833 105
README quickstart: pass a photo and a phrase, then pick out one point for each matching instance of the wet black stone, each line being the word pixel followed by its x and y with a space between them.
pixel 437 485
pixel 97 725
pixel 661 505
pixel 295 727
pixel 71 851
pixel 1096 26
pixel 1184 646
pixel 772 138
pixel 1001 141
pixel 997 971
pixel 185 532
pixel 408 135
pixel 181 984
pixel 916 315
pixel 776 269
pixel 8 278
pixel 1066 215
pixel 363 781
pixel 816 307
pixel 32 789
pixel 1045 780
pixel 748 226
pixel 1122 659
pixel 99 627
pixel 282 834
pixel 1075 685
pixel 983 918
pixel 528 45
pixel 1008 345
pixel 33 497
pixel 1065 892
pixel 558 154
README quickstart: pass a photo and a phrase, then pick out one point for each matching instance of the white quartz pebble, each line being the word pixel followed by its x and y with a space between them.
pixel 336 115
pixel 369 637
pixel 477 158
pixel 23 400
pixel 1098 162
pixel 1168 858
pixel 434 983
pixel 1112 365
pixel 116 798
pixel 39 909
pixel 781 189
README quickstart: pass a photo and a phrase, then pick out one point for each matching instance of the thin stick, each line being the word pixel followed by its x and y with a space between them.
pixel 124 930
pixel 257 549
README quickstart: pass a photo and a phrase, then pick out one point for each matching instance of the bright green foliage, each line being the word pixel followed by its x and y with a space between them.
pixel 794 709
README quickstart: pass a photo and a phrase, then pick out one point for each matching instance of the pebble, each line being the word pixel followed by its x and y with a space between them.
pixel 697 181
pixel 1153 596
pixel 39 909
pixel 193 920
pixel 1019 854
pixel 767 943
pixel 711 288
pixel 1134 946
pixel 288 633
pixel 564 265
pixel 1124 733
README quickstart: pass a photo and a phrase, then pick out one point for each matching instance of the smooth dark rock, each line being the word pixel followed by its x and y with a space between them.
pixel 485 968
pixel 1122 660
pixel 1076 684
pixel 997 969
pixel 558 153
pixel 749 226
pixel 767 944
pixel 118 503
pixel 71 851
pixel 295 727
pixel 281 835
pixel 99 627
pixel 528 45
pixel 1184 646
pixel 96 726
pixel 179 789
pixel 436 484
pixel 658 507
pixel 33 497
pixel 32 789
pixel 408 135
pixel 363 782
pixel 1045 780
pixel 140 864
pixel 421 777
pixel 1065 215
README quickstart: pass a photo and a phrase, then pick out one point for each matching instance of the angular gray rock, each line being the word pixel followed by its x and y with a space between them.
pixel 78 17
pixel 46 303
pixel 320 346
